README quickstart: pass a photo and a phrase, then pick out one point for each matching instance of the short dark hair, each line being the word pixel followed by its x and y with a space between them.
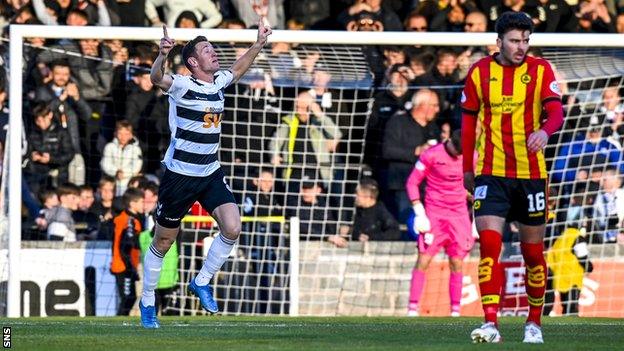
pixel 106 179
pixel 41 110
pixel 369 185
pixel 188 50
pixel 67 189
pixel 131 194
pixel 151 186
pixel 513 20
pixel 125 124
pixel 85 188
pixel 59 63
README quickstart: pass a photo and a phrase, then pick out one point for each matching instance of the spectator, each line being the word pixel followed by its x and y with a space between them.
pixel 132 13
pixel 94 79
pixel 249 14
pixel 612 108
pixel 305 141
pixel 594 17
pixel 619 23
pixel 372 221
pixel 103 207
pixel 476 22
pixel 593 143
pixel 530 8
pixel 61 225
pixel 396 97
pixel 187 19
pixel 205 10
pixel 49 151
pixel 122 157
pixel 415 22
pixel 49 200
pixel 125 261
pixel 141 105
pixel 262 201
pixel 63 97
pixel 316 220
pixel 445 73
pixel 608 212
pixel 71 13
pixel 449 19
pixel 560 17
pixel 150 201
pixel 87 222
pixel 406 136
pixel 364 13
pixel 310 12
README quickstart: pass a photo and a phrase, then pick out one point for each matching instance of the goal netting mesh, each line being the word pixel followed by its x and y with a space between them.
pixel 278 172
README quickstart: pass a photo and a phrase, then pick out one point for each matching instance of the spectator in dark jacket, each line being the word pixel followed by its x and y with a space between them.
pixel 372 222
pixel 49 151
pixel 406 136
pixel 63 97
pixel 388 102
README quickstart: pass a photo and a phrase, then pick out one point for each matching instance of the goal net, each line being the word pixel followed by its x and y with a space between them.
pixel 295 186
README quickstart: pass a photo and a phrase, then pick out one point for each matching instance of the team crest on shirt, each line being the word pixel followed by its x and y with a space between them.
pixel 463 97
pixel 525 78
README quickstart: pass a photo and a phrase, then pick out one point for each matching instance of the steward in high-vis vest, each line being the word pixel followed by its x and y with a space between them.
pixel 125 262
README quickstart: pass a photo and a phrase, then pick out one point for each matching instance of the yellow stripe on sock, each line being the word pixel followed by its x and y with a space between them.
pixel 490 299
pixel 535 301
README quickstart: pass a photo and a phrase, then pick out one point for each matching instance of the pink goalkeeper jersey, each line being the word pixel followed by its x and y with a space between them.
pixel 445 181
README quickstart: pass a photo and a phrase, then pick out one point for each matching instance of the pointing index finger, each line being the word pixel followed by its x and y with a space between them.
pixel 165 31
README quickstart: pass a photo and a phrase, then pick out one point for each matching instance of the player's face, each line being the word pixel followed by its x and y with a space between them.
pixel 207 60
pixel 513 46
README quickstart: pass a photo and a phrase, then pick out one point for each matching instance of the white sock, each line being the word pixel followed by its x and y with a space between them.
pixel 217 254
pixel 152 264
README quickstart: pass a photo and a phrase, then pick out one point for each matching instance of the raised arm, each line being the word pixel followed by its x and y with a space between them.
pixel 243 63
pixel 157 74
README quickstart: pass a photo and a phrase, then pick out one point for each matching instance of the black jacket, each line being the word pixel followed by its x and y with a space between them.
pixel 55 141
pixel 376 222
pixel 401 137
pixel 72 109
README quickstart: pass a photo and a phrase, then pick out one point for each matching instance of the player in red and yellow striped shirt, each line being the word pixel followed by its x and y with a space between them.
pixel 508 93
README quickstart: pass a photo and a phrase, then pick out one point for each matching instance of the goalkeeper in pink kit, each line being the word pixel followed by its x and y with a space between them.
pixel 445 222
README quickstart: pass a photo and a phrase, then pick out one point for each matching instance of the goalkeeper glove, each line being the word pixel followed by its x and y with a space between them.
pixel 421 222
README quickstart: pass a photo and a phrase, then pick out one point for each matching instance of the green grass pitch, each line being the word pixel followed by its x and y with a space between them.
pixel 286 333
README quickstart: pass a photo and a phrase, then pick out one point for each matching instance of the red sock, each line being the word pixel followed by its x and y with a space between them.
pixel 535 279
pixel 490 279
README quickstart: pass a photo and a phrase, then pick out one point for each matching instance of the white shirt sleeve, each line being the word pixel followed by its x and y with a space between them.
pixel 224 79
pixel 179 87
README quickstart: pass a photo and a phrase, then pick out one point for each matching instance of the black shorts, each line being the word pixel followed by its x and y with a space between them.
pixel 522 200
pixel 177 193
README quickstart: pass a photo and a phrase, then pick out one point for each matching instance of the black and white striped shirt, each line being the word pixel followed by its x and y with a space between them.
pixel 195 112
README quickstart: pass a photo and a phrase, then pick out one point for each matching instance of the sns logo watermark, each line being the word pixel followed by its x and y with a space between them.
pixel 6 337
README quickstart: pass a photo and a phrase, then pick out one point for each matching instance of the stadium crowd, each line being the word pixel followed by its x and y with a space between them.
pixel 96 126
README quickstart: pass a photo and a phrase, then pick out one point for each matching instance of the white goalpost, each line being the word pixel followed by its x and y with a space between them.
pixel 296 259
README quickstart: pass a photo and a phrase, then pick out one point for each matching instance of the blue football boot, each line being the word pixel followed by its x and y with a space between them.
pixel 148 316
pixel 204 293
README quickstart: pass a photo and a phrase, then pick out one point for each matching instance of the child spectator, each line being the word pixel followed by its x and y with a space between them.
pixel 125 262
pixel 103 207
pixel 61 226
pixel 372 220
pixel 122 158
